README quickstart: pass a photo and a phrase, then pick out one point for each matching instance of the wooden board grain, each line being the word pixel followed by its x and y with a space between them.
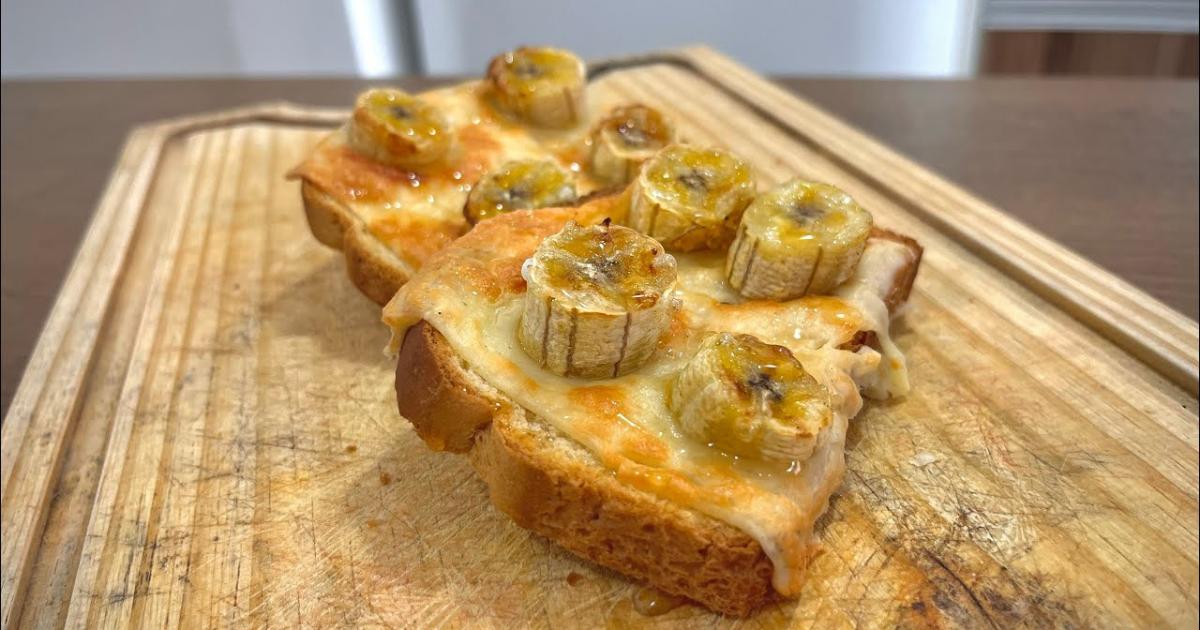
pixel 206 435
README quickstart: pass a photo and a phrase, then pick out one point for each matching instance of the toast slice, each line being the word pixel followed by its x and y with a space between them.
pixel 388 218
pixel 550 484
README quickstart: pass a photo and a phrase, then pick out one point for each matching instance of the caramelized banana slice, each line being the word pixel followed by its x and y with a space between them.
pixel 750 399
pixel 397 128
pixel 519 185
pixel 798 239
pixel 541 86
pixel 690 198
pixel 599 298
pixel 628 136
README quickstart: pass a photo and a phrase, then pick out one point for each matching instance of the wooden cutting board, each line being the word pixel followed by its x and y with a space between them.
pixel 206 434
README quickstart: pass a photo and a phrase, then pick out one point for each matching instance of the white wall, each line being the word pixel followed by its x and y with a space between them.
pixel 174 37
pixel 368 37
pixel 854 37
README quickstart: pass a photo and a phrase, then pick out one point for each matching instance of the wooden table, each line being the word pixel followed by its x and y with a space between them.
pixel 1108 167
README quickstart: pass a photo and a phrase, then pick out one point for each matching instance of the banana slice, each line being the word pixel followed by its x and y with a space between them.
pixel 690 198
pixel 798 239
pixel 397 128
pixel 519 185
pixel 628 136
pixel 750 399
pixel 599 298
pixel 541 86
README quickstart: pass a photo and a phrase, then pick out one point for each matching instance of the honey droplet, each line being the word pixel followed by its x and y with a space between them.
pixel 352 448
pixel 653 603
pixel 574 578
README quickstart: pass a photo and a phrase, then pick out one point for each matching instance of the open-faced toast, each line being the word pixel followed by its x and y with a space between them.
pixel 472 393
pixel 408 174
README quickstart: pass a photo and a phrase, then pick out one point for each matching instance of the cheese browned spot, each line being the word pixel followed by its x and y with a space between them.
pixel 607 419
pixel 414 238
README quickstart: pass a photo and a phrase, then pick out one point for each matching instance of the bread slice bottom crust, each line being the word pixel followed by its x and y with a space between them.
pixel 550 485
pixel 372 267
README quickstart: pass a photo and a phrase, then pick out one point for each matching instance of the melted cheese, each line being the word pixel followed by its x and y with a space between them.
pixel 625 421
pixel 417 212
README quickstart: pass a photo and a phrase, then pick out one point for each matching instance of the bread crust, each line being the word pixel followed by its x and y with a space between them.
pixel 374 269
pixel 446 404
pixel 550 485
pixel 900 290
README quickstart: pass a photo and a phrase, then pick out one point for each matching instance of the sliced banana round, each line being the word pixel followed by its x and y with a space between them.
pixel 541 86
pixel 519 185
pixel 598 300
pixel 397 128
pixel 628 136
pixel 690 198
pixel 798 239
pixel 750 399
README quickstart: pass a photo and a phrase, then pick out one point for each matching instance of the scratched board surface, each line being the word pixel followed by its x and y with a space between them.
pixel 211 439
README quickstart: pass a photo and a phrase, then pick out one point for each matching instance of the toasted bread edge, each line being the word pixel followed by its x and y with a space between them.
pixel 903 288
pixel 371 266
pixel 547 483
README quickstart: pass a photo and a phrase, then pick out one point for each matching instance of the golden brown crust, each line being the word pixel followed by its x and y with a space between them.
pixel 435 392
pixel 900 290
pixel 371 267
pixel 550 485
pixel 326 221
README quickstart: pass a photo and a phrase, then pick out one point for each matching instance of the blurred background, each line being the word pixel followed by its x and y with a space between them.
pixel 372 38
